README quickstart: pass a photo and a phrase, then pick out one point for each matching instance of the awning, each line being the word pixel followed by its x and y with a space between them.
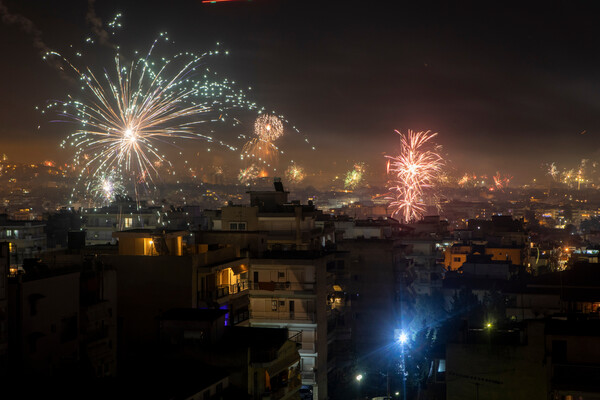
pixel 238 269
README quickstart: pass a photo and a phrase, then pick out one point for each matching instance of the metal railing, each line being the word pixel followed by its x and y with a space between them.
pixel 283 315
pixel 295 286
pixel 239 287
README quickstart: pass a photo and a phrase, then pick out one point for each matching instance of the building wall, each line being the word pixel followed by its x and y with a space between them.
pixel 497 372
pixel 372 287
pixel 455 256
pixel 270 307
pixel 4 271
pixel 45 318
pixel 147 286
pixel 236 214
pixel 504 253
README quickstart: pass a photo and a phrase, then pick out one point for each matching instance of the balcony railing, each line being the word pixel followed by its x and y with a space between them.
pixel 222 291
pixel 308 376
pixel 239 287
pixel 297 338
pixel 283 315
pixel 294 286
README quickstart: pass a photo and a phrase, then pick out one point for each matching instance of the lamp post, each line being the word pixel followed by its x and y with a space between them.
pixel 401 338
pixel 359 377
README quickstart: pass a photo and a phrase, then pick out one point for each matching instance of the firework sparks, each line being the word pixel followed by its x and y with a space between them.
pixel 295 173
pixel 467 180
pixel 501 182
pixel 413 170
pixel 261 149
pixel 128 116
pixel 355 176
pixel 105 188
pixel 553 171
pixel 249 174
pixel 268 127
pixel 124 122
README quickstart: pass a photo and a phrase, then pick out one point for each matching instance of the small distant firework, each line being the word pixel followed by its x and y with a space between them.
pixel 553 171
pixel 501 182
pixel 295 173
pixel 574 177
pixel 268 127
pixel 105 188
pixel 413 170
pixel 355 176
pixel 249 174
pixel 261 149
pixel 467 180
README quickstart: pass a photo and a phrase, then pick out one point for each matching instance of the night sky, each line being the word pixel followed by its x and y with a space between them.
pixel 506 88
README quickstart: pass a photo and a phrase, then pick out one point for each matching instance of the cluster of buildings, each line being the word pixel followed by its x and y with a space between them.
pixel 275 299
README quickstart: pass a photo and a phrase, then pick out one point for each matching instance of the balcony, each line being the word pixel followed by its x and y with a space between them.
pixel 287 286
pixel 239 287
pixel 226 290
pixel 283 315
pixel 222 291
pixel 308 378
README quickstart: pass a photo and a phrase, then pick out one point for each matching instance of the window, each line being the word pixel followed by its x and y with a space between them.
pixel 281 274
pixel 273 305
pixel 456 259
pixel 128 222
pixel 237 226
pixel 282 303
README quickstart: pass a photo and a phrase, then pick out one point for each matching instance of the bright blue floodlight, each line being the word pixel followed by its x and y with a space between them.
pixel 402 337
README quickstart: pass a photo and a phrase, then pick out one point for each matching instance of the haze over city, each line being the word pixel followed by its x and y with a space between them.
pixel 506 89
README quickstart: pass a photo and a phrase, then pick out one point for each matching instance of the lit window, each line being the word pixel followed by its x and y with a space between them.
pixel 128 222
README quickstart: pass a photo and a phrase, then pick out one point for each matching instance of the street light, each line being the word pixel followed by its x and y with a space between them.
pixel 402 337
pixel 359 378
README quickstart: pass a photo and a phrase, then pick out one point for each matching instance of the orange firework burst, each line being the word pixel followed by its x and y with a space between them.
pixel 413 170
pixel 261 149
pixel 501 182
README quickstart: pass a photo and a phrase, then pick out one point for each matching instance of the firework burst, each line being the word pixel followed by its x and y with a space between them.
pixel 129 117
pixel 413 170
pixel 105 188
pixel 295 173
pixel 249 174
pixel 355 176
pixel 261 149
pixel 501 182
pixel 125 120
